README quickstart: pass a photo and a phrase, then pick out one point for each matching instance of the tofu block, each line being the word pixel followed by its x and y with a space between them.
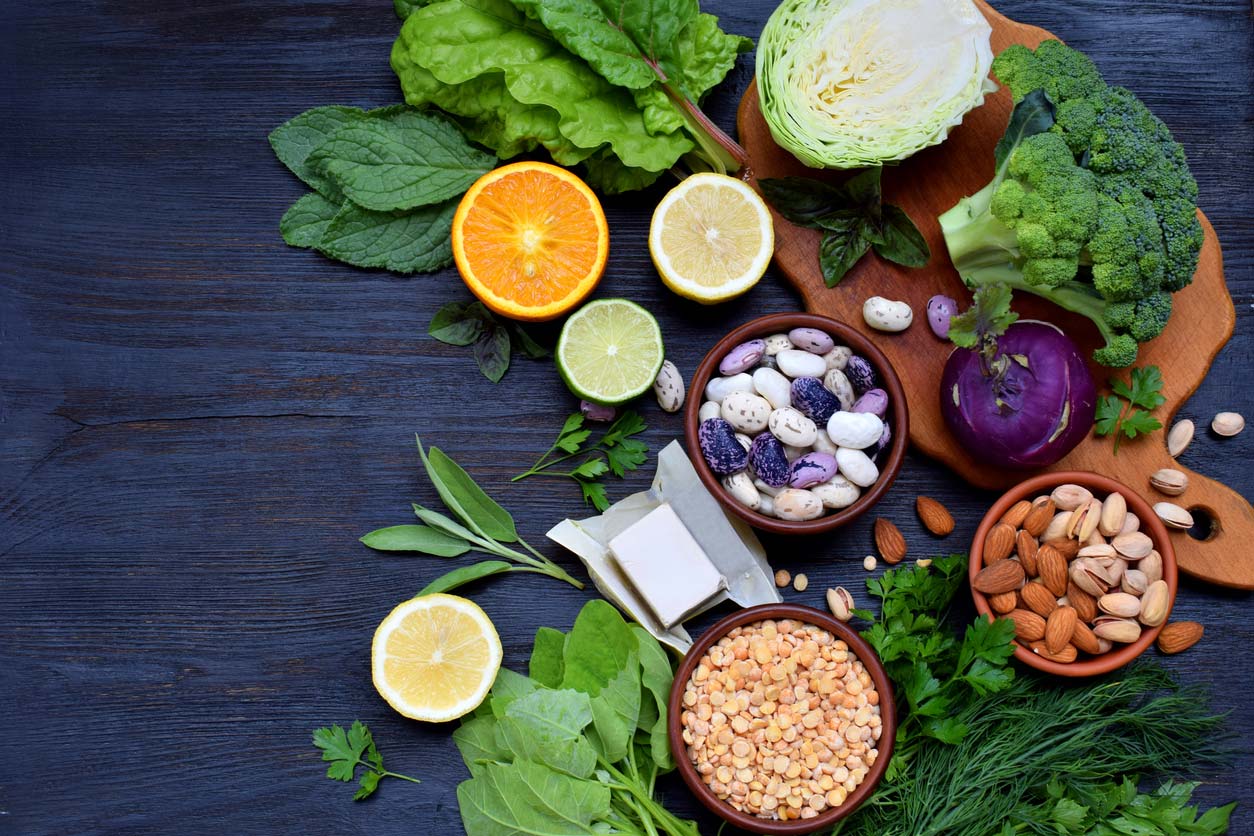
pixel 665 564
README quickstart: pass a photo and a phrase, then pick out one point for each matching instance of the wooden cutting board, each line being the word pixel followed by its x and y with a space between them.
pixel 925 186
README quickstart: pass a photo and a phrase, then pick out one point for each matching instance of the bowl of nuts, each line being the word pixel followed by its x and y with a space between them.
pixel 796 423
pixel 1083 567
pixel 781 719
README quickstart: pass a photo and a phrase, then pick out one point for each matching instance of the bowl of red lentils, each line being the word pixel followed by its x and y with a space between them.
pixel 781 719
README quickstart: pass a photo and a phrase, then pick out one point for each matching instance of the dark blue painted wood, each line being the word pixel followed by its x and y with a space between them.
pixel 196 422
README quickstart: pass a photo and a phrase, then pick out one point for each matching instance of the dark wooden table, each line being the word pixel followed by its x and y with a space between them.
pixel 196 422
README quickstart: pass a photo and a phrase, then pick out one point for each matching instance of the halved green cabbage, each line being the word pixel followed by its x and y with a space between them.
pixel 852 83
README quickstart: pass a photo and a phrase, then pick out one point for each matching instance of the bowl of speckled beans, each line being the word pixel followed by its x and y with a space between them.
pixel 781 719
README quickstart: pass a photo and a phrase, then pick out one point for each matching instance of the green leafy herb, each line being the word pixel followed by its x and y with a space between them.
pixel 853 220
pixel 576 747
pixel 615 452
pixel 386 184
pixel 484 527
pixel 470 323
pixel 983 751
pixel 1127 411
pixel 348 750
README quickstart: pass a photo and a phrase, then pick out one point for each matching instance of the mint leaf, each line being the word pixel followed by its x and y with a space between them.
pixel 402 160
pixel 296 139
pixel 458 323
pixel 416 241
pixel 304 224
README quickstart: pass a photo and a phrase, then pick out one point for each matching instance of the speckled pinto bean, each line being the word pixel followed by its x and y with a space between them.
pixel 781 720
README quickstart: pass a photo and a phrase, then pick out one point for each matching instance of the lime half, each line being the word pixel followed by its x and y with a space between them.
pixel 610 351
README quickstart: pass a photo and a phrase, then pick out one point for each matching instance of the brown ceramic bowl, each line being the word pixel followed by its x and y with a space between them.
pixel 888 718
pixel 1119 655
pixel 898 419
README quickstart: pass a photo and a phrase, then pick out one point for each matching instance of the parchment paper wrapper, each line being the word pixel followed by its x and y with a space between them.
pixel 730 544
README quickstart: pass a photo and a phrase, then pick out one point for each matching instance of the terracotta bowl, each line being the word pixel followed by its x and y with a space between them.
pixel 1119 655
pixel 889 464
pixel 888 718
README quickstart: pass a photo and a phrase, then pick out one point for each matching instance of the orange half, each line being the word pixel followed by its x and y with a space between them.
pixel 530 240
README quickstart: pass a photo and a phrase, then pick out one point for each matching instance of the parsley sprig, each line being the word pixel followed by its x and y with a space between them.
pixel 1127 411
pixel 615 452
pixel 348 750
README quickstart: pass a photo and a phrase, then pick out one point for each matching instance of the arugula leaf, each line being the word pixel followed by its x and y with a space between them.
pixel 463 575
pixel 1126 420
pixel 415 538
pixel 348 750
pixel 405 242
pixel 404 160
pixel 297 138
pixel 304 224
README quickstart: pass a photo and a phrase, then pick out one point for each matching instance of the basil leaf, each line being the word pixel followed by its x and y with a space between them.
pixel 304 224
pixel 477 510
pixel 438 521
pixel 531 349
pixel 297 138
pixel 801 200
pixel 406 242
pixel 862 191
pixel 546 665
pixel 402 160
pixel 839 252
pixel 415 538
pixel 901 241
pixel 1034 114
pixel 492 353
pixel 457 323
pixel 463 575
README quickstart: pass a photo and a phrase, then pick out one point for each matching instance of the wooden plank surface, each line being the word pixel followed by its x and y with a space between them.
pixel 196 422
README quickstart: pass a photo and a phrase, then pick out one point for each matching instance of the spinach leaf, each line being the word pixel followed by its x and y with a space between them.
pixel 416 241
pixel 477 510
pixel 546 665
pixel 616 711
pixel 598 647
pixel 415 538
pixel 463 575
pixel 526 798
pixel 297 138
pixel 548 727
pixel 656 675
pixel 402 161
pixel 304 224
pixel 476 740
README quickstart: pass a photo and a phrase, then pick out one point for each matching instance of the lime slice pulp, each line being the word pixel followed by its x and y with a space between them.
pixel 610 351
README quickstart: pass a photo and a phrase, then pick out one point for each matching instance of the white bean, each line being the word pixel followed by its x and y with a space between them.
pixel 773 386
pixel 720 387
pixel 795 363
pixel 857 467
pixel 887 315
pixel 858 430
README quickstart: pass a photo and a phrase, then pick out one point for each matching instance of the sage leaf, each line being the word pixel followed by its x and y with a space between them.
pixel 546 665
pixel 838 253
pixel 463 575
pixel 492 352
pixel 439 521
pixel 900 240
pixel 458 323
pixel 296 139
pixel 477 510
pixel 415 538
pixel 400 160
pixel 304 224
pixel 416 241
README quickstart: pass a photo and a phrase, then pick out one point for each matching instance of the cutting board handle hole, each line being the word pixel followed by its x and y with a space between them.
pixel 1205 524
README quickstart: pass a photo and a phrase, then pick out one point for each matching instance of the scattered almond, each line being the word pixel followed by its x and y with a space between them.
pixel 935 516
pixel 1066 548
pixel 1002 576
pixel 1179 636
pixel 890 542
pixel 1029 627
pixel 998 543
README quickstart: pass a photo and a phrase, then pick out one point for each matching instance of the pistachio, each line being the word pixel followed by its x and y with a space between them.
pixel 1113 570
pixel 1134 582
pixel 1133 546
pixel 840 602
pixel 1131 522
pixel 1152 566
pixel 1120 603
pixel 1089 576
pixel 1179 437
pixel 1096 538
pixel 1169 481
pixel 1097 551
pixel 1227 423
pixel 1057 528
pixel 1069 497
pixel 1083 520
pixel 1103 645
pixel 1120 630
pixel 1114 509
pixel 1155 604
pixel 1173 516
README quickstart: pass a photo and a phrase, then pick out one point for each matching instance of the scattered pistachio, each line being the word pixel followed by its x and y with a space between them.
pixel 840 602
pixel 1179 437
pixel 1173 516
pixel 923 562
pixel 1169 481
pixel 1227 424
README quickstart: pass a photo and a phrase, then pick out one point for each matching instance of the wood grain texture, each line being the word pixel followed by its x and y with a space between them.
pixel 197 422
pixel 927 185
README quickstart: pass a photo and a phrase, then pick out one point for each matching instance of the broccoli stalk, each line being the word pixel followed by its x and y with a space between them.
pixel 1091 206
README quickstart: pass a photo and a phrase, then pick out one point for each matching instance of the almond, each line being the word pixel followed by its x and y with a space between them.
pixel 1085 605
pixel 1066 656
pixel 1002 576
pixel 1025 547
pixel 1067 548
pixel 1029 627
pixel 1003 602
pixel 1038 599
pixel 1053 570
pixel 1058 629
pixel 1179 635
pixel 998 543
pixel 1016 513
pixel 889 541
pixel 936 517
pixel 1085 639
pixel 1039 517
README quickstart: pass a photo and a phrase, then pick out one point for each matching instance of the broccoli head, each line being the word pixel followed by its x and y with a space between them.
pixel 1092 205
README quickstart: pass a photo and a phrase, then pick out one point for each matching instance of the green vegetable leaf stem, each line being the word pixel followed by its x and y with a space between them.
pixel 347 750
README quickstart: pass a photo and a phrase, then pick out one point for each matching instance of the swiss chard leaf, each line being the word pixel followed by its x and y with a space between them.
pixel 416 538
pixel 463 575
